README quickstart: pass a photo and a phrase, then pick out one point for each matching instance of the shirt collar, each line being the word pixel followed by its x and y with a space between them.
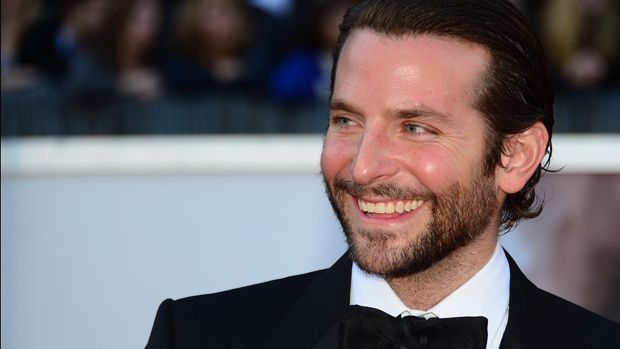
pixel 484 294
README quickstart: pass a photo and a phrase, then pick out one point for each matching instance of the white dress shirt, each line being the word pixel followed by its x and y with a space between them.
pixel 484 294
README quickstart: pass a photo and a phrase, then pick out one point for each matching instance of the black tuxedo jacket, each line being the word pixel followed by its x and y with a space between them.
pixel 303 311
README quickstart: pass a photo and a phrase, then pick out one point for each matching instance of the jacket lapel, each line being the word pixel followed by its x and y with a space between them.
pixel 522 293
pixel 312 322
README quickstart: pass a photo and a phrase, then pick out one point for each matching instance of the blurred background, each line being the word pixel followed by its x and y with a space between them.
pixel 97 67
pixel 164 148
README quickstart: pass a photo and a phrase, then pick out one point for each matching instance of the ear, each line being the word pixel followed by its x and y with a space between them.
pixel 524 153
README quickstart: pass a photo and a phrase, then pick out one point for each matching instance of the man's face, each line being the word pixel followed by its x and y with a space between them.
pixel 403 154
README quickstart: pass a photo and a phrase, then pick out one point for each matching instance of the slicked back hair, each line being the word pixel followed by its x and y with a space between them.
pixel 515 91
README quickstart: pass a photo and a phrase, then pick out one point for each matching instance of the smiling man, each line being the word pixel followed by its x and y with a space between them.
pixel 440 120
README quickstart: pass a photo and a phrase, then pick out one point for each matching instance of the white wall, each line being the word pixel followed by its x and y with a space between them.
pixel 86 260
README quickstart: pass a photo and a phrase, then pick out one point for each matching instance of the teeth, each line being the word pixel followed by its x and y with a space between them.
pixel 400 207
pixel 363 205
pixel 380 207
pixel 370 207
pixel 389 206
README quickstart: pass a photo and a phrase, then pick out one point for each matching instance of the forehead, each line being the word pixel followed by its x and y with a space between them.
pixel 439 72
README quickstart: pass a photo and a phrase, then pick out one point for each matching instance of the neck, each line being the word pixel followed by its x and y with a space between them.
pixel 426 289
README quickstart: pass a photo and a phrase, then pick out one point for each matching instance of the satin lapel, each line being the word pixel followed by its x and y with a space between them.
pixel 510 342
pixel 520 328
pixel 314 317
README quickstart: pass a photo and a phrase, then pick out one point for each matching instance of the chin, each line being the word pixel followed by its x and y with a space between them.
pixel 380 253
pixel 395 255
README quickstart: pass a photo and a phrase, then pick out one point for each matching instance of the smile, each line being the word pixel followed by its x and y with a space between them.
pixel 388 207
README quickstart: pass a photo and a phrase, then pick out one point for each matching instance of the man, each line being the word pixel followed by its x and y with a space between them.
pixel 440 118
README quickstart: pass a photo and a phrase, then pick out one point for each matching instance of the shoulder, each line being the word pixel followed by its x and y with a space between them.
pixel 539 319
pixel 264 296
pixel 243 315
pixel 577 326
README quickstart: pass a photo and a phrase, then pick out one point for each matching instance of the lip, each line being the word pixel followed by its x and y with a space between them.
pixel 384 218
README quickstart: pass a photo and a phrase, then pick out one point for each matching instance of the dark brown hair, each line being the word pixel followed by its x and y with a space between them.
pixel 515 92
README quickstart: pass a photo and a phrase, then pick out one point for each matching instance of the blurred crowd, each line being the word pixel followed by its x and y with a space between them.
pixel 213 66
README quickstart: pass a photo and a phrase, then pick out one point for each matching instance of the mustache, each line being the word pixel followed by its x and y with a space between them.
pixel 383 190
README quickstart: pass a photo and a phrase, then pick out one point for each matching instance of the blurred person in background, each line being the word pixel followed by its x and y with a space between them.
pixel 127 48
pixel 17 15
pixel 54 43
pixel 213 46
pixel 276 8
pixel 303 75
pixel 582 39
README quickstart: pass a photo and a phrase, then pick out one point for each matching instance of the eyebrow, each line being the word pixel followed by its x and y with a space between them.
pixel 343 106
pixel 420 111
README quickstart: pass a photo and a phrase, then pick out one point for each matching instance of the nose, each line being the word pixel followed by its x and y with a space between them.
pixel 374 159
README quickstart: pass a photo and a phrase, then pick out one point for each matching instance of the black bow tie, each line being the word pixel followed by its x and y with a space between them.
pixel 363 327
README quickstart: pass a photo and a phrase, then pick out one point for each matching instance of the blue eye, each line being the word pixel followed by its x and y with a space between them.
pixel 342 121
pixel 413 128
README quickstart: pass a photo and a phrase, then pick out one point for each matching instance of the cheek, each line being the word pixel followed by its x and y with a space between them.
pixel 335 157
pixel 436 171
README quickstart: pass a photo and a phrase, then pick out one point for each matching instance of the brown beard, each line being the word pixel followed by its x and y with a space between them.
pixel 458 217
